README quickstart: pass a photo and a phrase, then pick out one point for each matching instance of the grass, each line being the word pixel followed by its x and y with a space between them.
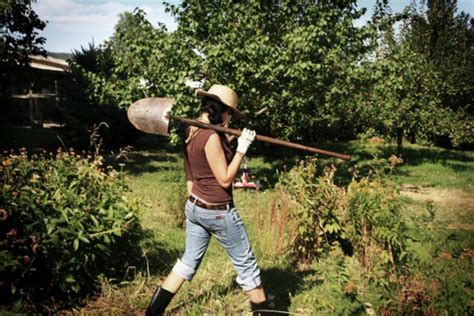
pixel 154 171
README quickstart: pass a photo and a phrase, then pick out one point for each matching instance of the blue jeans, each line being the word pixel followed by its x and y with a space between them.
pixel 228 228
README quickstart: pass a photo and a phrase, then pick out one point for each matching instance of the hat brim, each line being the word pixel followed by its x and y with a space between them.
pixel 202 93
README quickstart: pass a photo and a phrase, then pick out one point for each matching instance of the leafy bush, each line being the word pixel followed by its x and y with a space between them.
pixel 318 206
pixel 375 226
pixel 365 215
pixel 363 255
pixel 64 220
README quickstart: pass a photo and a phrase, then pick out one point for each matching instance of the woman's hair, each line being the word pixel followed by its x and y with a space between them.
pixel 214 108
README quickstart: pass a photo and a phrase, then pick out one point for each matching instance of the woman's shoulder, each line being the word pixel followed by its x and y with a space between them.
pixel 192 132
pixel 206 133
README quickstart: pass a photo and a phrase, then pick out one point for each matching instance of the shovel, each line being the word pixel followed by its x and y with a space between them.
pixel 152 115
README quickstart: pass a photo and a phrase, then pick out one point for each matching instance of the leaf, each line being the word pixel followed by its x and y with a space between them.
pixel 70 279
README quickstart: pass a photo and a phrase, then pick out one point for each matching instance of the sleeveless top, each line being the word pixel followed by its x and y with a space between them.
pixel 197 169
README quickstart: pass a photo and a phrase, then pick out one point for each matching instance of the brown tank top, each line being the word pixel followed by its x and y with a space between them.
pixel 197 169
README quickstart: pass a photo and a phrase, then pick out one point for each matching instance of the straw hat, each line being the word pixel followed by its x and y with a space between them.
pixel 223 94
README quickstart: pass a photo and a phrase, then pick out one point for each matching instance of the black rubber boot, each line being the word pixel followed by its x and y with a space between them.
pixel 159 302
pixel 262 309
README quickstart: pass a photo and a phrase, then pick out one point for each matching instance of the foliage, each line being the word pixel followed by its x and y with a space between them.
pixel 138 61
pixel 334 287
pixel 364 220
pixel 19 26
pixel 402 100
pixel 365 217
pixel 433 279
pixel 87 105
pixel 64 221
pixel 375 226
pixel 400 91
pixel 364 255
pixel 283 56
pixel 318 209
pixel 436 280
pixel 446 38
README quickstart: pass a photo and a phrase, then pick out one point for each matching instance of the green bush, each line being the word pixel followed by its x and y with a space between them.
pixel 64 220
pixel 374 223
pixel 365 217
pixel 365 255
pixel 316 211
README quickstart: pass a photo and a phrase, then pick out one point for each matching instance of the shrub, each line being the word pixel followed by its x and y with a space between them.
pixel 364 218
pixel 316 211
pixel 374 223
pixel 64 220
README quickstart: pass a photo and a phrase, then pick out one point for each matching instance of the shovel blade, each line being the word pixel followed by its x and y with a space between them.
pixel 150 115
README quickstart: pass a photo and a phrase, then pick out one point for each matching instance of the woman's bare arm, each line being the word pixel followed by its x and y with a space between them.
pixel 215 155
pixel 189 186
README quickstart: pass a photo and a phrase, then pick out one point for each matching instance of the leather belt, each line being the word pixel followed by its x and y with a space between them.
pixel 199 203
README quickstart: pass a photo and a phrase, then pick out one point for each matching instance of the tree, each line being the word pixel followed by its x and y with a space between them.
pixel 284 56
pixel 446 39
pixel 138 61
pixel 19 26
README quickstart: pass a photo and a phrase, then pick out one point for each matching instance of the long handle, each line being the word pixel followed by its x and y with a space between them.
pixel 266 139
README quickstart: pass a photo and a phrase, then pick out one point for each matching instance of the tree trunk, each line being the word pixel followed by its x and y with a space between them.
pixel 400 133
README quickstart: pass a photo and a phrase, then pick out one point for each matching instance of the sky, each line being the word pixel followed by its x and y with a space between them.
pixel 73 24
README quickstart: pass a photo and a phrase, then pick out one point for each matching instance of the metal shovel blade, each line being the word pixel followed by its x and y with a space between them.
pixel 150 115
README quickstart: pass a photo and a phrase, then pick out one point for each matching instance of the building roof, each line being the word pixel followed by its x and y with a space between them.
pixel 48 63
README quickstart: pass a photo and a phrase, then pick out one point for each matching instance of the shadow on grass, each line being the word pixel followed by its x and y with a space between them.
pixel 138 163
pixel 417 155
pixel 280 285
pixel 159 258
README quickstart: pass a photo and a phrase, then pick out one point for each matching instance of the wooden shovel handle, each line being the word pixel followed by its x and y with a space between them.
pixel 262 138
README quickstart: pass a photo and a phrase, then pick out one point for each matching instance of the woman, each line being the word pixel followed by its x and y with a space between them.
pixel 210 169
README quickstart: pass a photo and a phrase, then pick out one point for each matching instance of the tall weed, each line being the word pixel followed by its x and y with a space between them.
pixel 316 210
pixel 365 254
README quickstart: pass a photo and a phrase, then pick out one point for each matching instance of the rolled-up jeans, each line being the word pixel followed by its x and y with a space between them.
pixel 229 230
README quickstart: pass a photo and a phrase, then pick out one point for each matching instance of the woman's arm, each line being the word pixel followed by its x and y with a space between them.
pixel 215 155
pixel 189 186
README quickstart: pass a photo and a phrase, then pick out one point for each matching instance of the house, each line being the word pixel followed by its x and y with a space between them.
pixel 35 94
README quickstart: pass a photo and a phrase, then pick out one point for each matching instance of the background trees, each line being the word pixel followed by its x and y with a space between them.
pixel 302 69
pixel 19 26
pixel 285 57
pixel 445 38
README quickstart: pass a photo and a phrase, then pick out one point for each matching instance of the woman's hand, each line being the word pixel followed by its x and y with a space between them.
pixel 245 140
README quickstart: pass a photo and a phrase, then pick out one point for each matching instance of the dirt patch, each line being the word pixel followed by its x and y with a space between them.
pixel 454 207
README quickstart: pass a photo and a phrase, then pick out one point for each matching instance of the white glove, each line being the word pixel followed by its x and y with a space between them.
pixel 244 141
